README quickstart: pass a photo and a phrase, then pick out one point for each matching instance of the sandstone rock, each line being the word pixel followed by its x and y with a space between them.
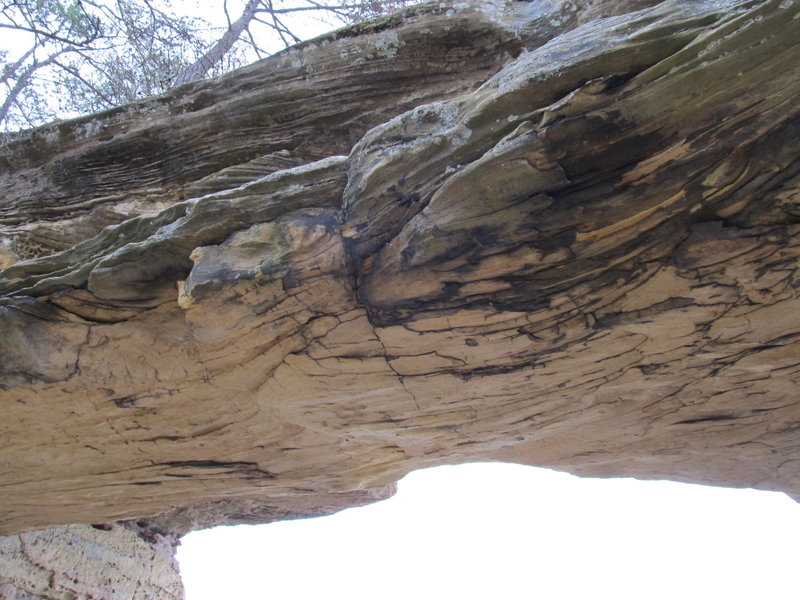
pixel 482 231
pixel 81 561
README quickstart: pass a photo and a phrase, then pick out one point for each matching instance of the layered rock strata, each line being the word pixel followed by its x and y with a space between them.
pixel 525 231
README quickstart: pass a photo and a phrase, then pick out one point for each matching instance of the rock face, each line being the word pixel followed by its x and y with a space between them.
pixel 539 232
pixel 83 562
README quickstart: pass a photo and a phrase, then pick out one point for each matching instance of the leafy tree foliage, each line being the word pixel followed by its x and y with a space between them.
pixel 68 57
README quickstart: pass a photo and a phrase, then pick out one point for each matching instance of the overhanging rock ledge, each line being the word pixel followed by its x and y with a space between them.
pixel 556 233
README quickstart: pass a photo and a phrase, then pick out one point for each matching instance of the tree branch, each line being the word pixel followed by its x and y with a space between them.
pixel 77 75
pixel 10 70
pixel 206 62
pixel 20 84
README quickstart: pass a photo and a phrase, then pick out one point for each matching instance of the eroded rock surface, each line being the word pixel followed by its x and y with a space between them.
pixel 82 562
pixel 522 231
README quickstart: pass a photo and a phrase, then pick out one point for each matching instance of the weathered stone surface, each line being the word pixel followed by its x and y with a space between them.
pixel 82 562
pixel 64 182
pixel 566 241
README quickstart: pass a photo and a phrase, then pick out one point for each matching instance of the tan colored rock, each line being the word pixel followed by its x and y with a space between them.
pixel 576 247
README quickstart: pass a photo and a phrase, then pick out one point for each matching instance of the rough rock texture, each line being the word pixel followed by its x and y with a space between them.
pixel 529 231
pixel 82 562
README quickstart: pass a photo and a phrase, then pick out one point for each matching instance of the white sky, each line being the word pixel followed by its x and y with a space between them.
pixel 506 531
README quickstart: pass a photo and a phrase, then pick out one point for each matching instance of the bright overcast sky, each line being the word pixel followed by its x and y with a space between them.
pixel 498 531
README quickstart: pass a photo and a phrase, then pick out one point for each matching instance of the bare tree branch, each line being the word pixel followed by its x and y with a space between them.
pixel 256 48
pixel 10 70
pixel 203 65
pixel 77 75
pixel 47 34
pixel 20 84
